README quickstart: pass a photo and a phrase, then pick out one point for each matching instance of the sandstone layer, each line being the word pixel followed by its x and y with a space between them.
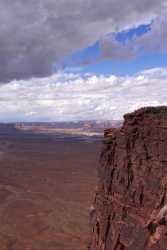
pixel 130 206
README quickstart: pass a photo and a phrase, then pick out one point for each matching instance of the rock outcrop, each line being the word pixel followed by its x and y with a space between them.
pixel 130 206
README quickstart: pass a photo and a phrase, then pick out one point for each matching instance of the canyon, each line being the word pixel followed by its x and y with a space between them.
pixel 47 180
pixel 79 128
pixel 46 188
pixel 130 205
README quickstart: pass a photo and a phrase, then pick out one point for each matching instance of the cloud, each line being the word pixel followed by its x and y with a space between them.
pixel 36 34
pixel 112 49
pixel 66 97
pixel 153 41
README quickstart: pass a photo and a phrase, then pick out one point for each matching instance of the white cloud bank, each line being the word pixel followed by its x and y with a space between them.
pixel 66 97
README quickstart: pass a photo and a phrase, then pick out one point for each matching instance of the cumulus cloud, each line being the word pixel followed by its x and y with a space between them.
pixel 66 97
pixel 36 34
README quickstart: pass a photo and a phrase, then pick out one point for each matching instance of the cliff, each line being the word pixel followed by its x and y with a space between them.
pixel 130 206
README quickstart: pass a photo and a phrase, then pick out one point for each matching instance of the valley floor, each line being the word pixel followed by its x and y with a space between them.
pixel 46 188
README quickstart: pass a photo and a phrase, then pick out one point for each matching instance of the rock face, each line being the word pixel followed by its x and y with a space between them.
pixel 130 206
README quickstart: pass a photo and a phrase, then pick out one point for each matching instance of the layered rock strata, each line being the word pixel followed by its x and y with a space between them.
pixel 130 206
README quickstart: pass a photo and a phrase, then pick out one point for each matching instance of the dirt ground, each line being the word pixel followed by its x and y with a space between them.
pixel 46 189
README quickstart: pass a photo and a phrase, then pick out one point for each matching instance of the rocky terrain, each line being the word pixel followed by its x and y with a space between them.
pixel 130 206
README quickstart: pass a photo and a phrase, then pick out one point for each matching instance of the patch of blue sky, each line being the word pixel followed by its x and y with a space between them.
pixel 127 35
pixel 88 60
pixel 83 57
pixel 129 67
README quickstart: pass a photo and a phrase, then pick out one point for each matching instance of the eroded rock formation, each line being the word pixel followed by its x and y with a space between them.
pixel 130 206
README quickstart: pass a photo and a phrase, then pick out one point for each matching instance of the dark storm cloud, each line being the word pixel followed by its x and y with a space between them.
pixel 36 34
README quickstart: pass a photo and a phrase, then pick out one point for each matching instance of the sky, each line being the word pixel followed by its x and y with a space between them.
pixel 69 60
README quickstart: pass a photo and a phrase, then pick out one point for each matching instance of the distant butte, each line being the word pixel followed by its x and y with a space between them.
pixel 130 206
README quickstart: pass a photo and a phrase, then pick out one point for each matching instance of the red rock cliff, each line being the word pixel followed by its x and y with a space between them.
pixel 130 207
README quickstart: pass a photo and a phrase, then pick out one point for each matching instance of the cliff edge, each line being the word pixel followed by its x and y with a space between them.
pixel 130 206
